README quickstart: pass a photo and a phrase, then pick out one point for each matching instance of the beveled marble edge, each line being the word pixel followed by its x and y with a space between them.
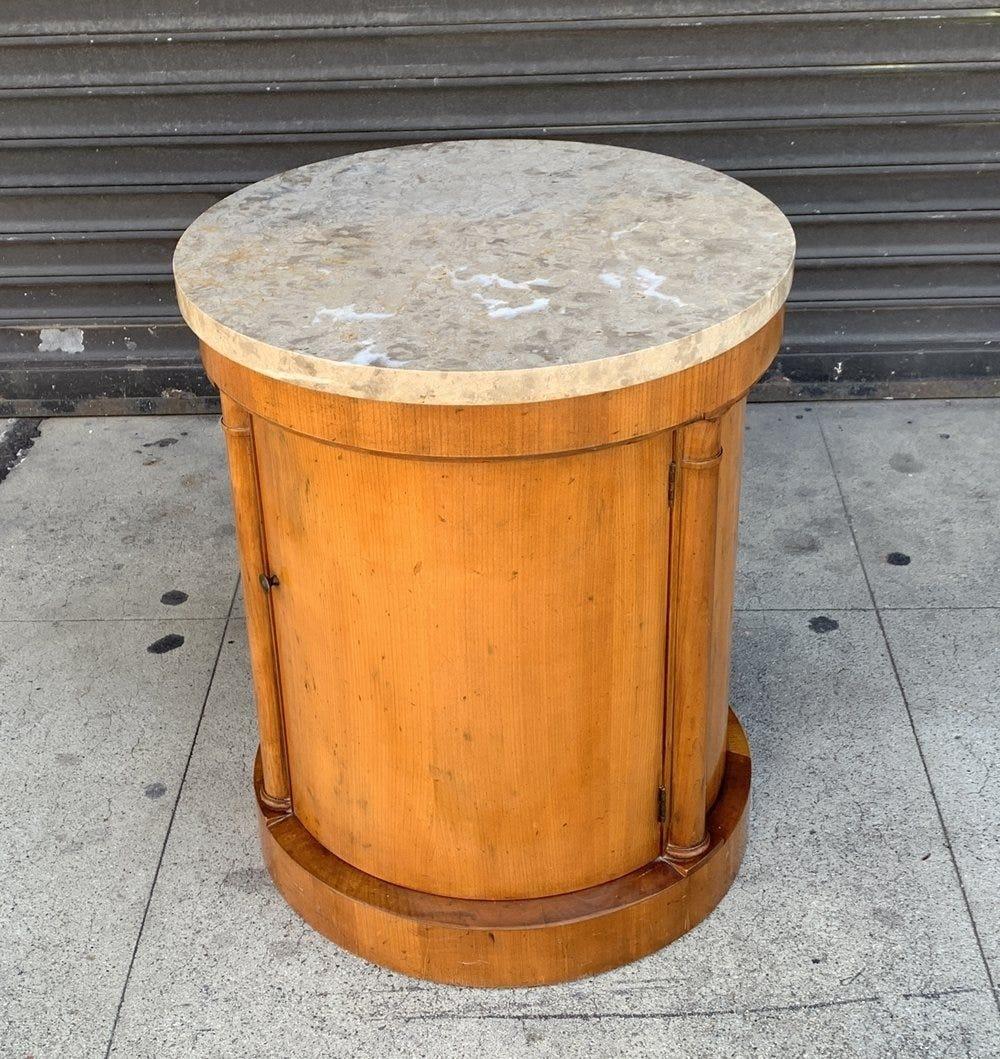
pixel 517 386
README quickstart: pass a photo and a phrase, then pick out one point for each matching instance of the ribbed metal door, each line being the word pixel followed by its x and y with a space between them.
pixel 873 125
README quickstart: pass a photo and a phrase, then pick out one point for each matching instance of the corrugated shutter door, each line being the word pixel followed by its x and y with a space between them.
pixel 872 125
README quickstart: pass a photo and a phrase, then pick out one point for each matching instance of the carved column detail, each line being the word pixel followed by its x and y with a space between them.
pixel 697 455
pixel 257 580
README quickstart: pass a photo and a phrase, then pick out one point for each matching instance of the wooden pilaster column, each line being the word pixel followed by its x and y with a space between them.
pixel 697 455
pixel 257 580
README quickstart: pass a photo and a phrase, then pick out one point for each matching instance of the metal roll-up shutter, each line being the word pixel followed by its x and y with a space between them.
pixel 873 125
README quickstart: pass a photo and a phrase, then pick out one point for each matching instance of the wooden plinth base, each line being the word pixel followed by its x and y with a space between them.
pixel 511 943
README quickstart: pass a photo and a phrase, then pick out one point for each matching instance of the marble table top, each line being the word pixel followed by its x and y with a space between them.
pixel 484 271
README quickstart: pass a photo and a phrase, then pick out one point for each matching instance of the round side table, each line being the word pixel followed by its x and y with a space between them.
pixel 484 404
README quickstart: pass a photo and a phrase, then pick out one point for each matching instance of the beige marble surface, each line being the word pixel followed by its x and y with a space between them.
pixel 484 272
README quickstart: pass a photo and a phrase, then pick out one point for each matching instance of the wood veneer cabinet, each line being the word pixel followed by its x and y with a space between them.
pixel 485 454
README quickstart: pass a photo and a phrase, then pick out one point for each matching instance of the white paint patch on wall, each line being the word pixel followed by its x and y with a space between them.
pixel 60 340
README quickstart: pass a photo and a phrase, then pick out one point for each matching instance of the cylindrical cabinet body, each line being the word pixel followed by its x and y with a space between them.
pixel 502 678
pixel 431 619
pixel 489 610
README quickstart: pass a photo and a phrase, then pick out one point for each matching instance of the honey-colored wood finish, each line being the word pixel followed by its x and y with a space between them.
pixel 490 649
pixel 697 457
pixel 238 431
pixel 731 427
pixel 472 660
pixel 503 431
pixel 512 943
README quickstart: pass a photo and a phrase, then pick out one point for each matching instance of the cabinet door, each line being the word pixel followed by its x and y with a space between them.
pixel 472 658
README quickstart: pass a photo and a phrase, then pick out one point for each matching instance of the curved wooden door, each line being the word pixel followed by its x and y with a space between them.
pixel 471 657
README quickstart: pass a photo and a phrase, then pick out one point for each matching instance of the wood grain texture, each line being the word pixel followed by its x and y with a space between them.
pixel 238 431
pixel 503 431
pixel 492 673
pixel 694 532
pixel 472 660
pixel 731 427
pixel 512 943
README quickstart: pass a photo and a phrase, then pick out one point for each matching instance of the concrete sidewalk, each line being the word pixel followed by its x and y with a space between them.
pixel 137 918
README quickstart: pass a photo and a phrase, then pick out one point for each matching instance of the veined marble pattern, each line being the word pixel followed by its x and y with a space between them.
pixel 484 272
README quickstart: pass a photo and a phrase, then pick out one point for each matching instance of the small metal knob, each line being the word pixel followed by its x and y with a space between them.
pixel 267 580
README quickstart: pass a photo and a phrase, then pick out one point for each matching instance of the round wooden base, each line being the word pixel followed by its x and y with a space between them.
pixel 511 943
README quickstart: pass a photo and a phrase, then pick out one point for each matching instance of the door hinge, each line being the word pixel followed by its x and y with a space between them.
pixel 671 484
pixel 661 804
